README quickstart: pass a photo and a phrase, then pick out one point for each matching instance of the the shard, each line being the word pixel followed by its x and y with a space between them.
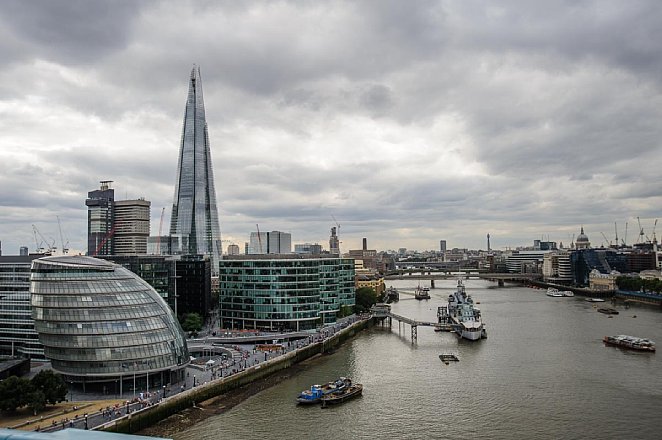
pixel 194 213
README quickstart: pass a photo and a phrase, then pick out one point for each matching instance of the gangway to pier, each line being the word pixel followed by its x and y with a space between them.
pixel 383 312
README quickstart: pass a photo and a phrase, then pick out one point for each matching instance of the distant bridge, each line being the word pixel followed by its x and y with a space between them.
pixel 414 274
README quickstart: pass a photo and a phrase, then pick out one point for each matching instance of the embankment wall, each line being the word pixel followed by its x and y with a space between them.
pixel 151 415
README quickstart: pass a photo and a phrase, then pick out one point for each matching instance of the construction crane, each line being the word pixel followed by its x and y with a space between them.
pixel 65 249
pixel 625 239
pixel 259 238
pixel 158 237
pixel 105 239
pixel 606 239
pixel 337 231
pixel 616 231
pixel 50 247
pixel 653 234
pixel 641 232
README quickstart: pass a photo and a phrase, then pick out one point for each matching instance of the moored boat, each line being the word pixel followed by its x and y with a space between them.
pixel 554 293
pixel 595 300
pixel 448 357
pixel 317 392
pixel 461 314
pixel 631 342
pixel 344 395
pixel 422 293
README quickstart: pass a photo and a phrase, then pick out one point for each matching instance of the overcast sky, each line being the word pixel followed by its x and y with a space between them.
pixel 410 122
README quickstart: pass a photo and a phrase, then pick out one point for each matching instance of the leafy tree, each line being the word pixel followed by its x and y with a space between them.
pixel 192 322
pixel 51 385
pixel 36 401
pixel 345 310
pixel 365 298
pixel 14 393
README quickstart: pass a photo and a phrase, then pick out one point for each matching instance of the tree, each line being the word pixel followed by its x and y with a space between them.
pixel 192 322
pixel 14 393
pixel 52 386
pixel 36 401
pixel 365 298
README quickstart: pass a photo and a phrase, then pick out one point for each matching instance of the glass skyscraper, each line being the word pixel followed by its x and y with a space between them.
pixel 194 213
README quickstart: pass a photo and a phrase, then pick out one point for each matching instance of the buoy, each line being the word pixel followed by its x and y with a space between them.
pixel 634 316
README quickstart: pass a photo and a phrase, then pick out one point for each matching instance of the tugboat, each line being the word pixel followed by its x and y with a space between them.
pixel 630 342
pixel 462 315
pixel 422 293
pixel 350 392
pixel 317 392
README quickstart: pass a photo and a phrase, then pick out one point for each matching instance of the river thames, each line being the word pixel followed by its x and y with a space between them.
pixel 543 373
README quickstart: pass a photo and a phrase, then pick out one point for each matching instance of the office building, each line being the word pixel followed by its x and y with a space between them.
pixel 101 323
pixel 308 249
pixel 286 292
pixel 17 334
pixel 274 242
pixel 100 219
pixel 194 285
pixel 23 251
pixel 167 244
pixel 132 227
pixel 233 249
pixel 442 245
pixel 194 212
pixel 334 242
pixel 116 227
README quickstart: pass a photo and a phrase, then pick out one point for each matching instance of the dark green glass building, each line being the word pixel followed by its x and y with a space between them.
pixel 288 292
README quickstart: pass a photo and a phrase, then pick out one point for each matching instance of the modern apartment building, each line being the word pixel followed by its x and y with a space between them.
pixel 286 292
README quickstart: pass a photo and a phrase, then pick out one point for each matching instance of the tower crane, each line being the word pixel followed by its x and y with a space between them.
pixel 50 247
pixel 606 239
pixel 158 237
pixel 259 238
pixel 653 234
pixel 65 249
pixel 641 231
pixel 616 231
pixel 625 239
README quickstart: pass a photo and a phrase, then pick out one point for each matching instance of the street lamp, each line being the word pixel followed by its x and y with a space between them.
pixel 164 392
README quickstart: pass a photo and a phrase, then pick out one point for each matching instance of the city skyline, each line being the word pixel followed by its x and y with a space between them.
pixel 409 124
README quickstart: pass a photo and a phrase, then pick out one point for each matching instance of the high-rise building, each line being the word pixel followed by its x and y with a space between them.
pixel 334 242
pixel 132 227
pixel 100 218
pixel 442 245
pixel 308 248
pixel 233 249
pixel 23 251
pixel 194 212
pixel 274 242
pixel 116 227
pixel 18 336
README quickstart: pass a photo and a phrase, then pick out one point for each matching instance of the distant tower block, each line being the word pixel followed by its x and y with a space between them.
pixel 488 243
pixel 442 245
pixel 365 244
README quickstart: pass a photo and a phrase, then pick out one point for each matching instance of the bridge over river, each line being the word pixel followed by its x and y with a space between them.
pixel 431 274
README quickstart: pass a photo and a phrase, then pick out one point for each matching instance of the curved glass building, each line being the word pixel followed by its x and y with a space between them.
pixel 100 322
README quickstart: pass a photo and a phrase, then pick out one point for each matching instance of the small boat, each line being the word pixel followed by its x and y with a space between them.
pixel 448 357
pixel 567 293
pixel 422 293
pixel 630 342
pixel 608 311
pixel 594 300
pixel 317 392
pixel 344 395
pixel 554 293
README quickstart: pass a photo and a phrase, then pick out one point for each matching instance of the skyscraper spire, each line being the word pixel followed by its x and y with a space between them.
pixel 194 213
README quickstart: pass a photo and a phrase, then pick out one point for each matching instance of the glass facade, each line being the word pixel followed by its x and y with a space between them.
pixel 284 293
pixel 99 321
pixel 194 212
pixel 17 334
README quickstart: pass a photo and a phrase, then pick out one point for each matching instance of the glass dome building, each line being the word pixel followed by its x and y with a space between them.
pixel 99 322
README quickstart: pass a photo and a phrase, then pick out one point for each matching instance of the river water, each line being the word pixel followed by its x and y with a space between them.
pixel 543 373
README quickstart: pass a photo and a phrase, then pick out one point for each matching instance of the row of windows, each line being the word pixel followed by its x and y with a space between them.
pixel 67 328
pixel 110 354
pixel 117 367
pixel 105 314
pixel 89 287
pixel 117 340
pixel 269 316
pixel 126 299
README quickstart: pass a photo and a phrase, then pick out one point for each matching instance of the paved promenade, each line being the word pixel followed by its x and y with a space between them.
pixel 238 358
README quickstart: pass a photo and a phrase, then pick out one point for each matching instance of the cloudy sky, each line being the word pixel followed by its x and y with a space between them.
pixel 410 122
